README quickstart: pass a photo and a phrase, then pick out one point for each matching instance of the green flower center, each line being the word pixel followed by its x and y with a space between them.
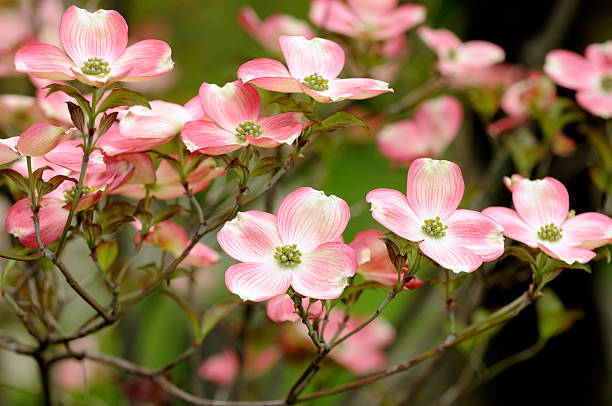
pixel 550 232
pixel 316 82
pixel 606 84
pixel 434 228
pixel 95 67
pixel 248 128
pixel 288 255
pixel 452 54
pixel 70 193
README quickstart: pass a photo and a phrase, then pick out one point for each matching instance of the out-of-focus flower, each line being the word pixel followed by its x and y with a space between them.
pixel 167 183
pixel 75 375
pixel 374 262
pixel 434 125
pixel 488 78
pixel 36 140
pixel 314 66
pixel 96 52
pixel 372 19
pixel 268 31
pixel 17 30
pixel 281 308
pixel 69 155
pixel 590 76
pixel 456 57
pixel 18 111
pixel 171 237
pixel 541 220
pixel 234 110
pixel 534 93
pixel 297 248
pixel 52 216
pixel 459 240
pixel 221 368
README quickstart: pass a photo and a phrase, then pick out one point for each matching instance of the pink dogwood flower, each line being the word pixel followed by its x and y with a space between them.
pixel 372 19
pixel 281 308
pixel 266 32
pixel 221 368
pixel 374 262
pixel 456 57
pixel 36 140
pixel 590 76
pixel 235 121
pixel 541 220
pixel 298 248
pixel 459 240
pixel 434 125
pixel 96 52
pixel 534 93
pixel 314 66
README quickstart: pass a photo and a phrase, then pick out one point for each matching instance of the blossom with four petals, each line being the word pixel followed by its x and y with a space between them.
pixel 314 66
pixel 541 220
pixel 297 248
pixel 96 52
pixel 459 240
pixel 235 121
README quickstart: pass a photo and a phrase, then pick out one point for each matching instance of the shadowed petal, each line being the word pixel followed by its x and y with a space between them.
pixel 514 226
pixel 44 61
pixel 478 233
pixel 588 230
pixel 52 220
pixel 451 256
pixel 560 250
pixel 257 281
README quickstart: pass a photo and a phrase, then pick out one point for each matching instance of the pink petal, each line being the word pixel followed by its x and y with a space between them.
pixel 309 218
pixel 114 142
pixel 278 129
pixel 257 281
pixel 372 10
pixel 440 120
pixel 44 61
pixel 39 138
pixel 333 15
pixel 479 54
pixel 541 202
pixel 403 141
pixel 143 60
pixel 441 41
pixel 435 188
pixel 566 253
pixel 52 220
pixel 451 256
pixel 163 120
pixel 202 255
pixel 588 230
pixel 8 150
pixel 570 70
pixel 478 233
pixel 230 105
pixel 390 208
pixel 102 34
pixel 600 55
pixel 144 170
pixel 511 181
pixel 206 137
pixel 268 74
pixel 221 369
pixel 251 236
pixel 195 110
pixel 307 56
pixel 281 308
pixel 324 271
pixel 69 154
pixel 373 258
pixel 513 225
pixel 400 20
pixel 354 88
pixel 596 102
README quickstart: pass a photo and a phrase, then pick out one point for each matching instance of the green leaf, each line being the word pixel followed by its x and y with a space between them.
pixel 106 253
pixel 338 121
pixel 123 97
pixel 553 317
pixel 555 264
pixel 72 92
pixel 289 105
pixel 167 213
pixel 214 315
pixel 603 253
pixel 520 253
pixel 16 177
pixel 265 165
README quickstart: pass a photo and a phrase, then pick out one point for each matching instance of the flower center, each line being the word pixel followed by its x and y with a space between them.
pixel 316 82
pixel 248 128
pixel 95 67
pixel 288 255
pixel 70 193
pixel 452 54
pixel 606 84
pixel 550 232
pixel 434 228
